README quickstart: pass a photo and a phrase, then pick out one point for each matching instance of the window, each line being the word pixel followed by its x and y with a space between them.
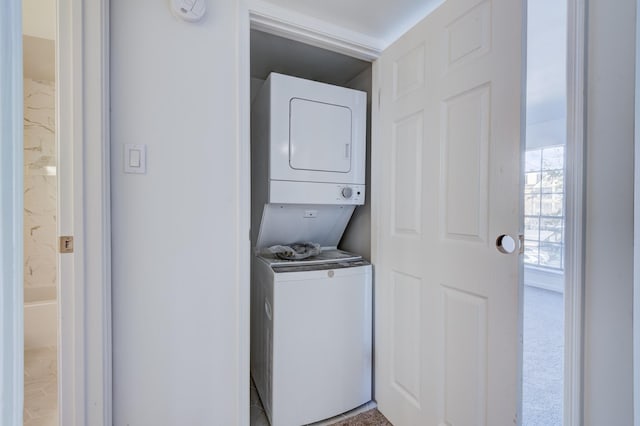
pixel 544 207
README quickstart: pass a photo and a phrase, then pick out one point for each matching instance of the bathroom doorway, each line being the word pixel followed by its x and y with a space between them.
pixel 40 215
pixel 81 110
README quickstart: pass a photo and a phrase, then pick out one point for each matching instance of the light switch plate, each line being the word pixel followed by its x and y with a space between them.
pixel 135 158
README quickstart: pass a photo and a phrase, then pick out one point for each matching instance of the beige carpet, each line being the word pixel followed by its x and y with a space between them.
pixel 368 418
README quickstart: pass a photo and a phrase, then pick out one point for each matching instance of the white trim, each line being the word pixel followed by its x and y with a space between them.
pixel 575 207
pixel 70 297
pixel 524 54
pixel 377 164
pixel 636 237
pixel 83 140
pixel 97 214
pixel 11 214
pixel 278 21
pixel 243 225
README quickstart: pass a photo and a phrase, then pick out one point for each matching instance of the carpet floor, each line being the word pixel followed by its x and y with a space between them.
pixel 542 374
pixel 368 418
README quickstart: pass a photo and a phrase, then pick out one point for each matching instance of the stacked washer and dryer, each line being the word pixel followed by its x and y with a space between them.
pixel 311 318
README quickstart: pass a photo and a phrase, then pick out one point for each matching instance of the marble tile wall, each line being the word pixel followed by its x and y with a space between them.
pixel 39 186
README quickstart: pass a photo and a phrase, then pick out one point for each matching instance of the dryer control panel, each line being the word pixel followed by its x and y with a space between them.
pixel 351 193
pixel 288 192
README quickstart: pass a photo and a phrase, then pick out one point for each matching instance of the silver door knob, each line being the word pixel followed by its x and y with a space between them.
pixel 506 244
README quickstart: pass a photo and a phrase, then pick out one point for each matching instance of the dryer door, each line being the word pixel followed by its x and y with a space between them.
pixel 317 131
pixel 319 136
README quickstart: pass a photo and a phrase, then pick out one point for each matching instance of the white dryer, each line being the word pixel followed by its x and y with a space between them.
pixel 308 152
pixel 308 143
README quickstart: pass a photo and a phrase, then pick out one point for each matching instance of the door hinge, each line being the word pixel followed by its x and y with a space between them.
pixel 521 241
pixel 66 244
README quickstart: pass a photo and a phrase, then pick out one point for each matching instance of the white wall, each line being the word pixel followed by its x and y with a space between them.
pixel 608 392
pixel 175 305
pixel 39 18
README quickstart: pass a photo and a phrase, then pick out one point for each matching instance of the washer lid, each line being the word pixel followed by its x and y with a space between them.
pixel 280 269
pixel 300 223
pixel 331 256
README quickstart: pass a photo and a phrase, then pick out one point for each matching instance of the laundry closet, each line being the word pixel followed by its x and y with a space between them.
pixel 311 280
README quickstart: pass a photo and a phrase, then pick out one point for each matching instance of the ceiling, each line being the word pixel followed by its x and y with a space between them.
pixel 384 20
pixel 272 53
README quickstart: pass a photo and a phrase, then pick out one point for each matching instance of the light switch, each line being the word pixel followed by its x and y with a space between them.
pixel 135 158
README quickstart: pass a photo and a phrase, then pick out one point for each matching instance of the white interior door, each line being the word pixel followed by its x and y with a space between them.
pixel 447 162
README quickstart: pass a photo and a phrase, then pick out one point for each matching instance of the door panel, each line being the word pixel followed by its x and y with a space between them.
pixel 465 357
pixel 465 146
pixel 407 176
pixel 406 334
pixel 447 160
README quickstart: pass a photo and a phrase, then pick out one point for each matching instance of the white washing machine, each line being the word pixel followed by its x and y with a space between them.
pixel 311 336
pixel 310 319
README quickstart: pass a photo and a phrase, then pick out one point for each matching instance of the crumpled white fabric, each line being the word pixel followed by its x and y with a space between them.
pixel 296 251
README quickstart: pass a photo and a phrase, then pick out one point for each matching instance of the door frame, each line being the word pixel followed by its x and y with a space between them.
pixel 266 17
pixel 11 215
pixel 84 363
pixel 82 50
pixel 636 236
pixel 276 20
pixel 574 215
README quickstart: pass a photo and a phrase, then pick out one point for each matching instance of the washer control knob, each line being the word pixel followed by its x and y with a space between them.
pixel 347 192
